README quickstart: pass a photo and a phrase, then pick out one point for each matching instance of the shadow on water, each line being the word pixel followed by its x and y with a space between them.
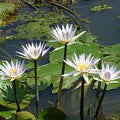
pixel 70 101
pixel 103 24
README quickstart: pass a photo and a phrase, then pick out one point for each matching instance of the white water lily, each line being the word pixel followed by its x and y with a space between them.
pixel 82 65
pixel 12 70
pixel 33 51
pixel 66 34
pixel 108 74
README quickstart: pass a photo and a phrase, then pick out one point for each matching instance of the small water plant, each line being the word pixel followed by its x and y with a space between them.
pixel 100 8
pixel 34 52
pixel 71 50
pixel 83 66
pixel 107 75
pixel 13 71
pixel 64 36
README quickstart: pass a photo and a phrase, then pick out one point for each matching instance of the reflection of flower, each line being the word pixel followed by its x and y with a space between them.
pixel 33 51
pixel 12 70
pixel 65 35
pixel 108 74
pixel 82 66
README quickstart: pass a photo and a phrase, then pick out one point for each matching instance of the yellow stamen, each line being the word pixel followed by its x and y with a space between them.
pixel 13 71
pixel 82 66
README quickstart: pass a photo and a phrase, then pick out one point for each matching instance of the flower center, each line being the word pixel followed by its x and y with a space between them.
pixel 13 71
pixel 82 66
pixel 107 75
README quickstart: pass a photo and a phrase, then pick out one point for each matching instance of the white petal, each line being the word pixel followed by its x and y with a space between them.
pixel 85 76
pixel 77 36
pixel 71 73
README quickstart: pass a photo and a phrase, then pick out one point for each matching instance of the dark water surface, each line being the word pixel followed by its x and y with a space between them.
pixel 104 24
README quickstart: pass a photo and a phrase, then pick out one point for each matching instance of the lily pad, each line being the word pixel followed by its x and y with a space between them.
pixel 6 112
pixel 100 8
pixel 51 114
pixel 7 95
pixel 78 48
pixel 112 55
pixel 50 73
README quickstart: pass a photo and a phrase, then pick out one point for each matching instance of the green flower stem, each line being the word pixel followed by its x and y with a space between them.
pixel 98 90
pixel 36 88
pixel 100 102
pixel 99 83
pixel 61 78
pixel 82 99
pixel 15 94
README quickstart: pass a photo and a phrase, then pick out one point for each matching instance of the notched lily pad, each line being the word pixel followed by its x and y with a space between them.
pixel 7 95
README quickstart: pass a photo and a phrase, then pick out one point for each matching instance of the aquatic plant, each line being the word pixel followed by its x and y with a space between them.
pixel 100 8
pixel 12 71
pixel 83 66
pixel 64 36
pixel 107 75
pixel 34 52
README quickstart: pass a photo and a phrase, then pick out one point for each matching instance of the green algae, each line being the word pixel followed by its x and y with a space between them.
pixel 5 10
pixel 38 27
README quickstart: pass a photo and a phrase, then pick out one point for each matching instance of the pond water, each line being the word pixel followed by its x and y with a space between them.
pixel 103 24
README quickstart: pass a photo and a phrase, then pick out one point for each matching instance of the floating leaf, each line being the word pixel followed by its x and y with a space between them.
pixel 100 8
pixel 112 54
pixel 50 73
pixel 77 48
pixel 109 87
pixel 7 95
pixel 6 112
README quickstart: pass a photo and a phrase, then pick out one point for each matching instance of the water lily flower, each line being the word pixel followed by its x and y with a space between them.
pixel 82 65
pixel 66 34
pixel 108 74
pixel 33 51
pixel 12 70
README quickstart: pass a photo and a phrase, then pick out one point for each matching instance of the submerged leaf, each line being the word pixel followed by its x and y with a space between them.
pixel 51 114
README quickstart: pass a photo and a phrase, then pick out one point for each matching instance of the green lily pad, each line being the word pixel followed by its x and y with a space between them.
pixel 51 114
pixel 100 8
pixel 50 73
pixel 112 54
pixel 109 87
pixel 7 95
pixel 6 112
pixel 77 48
